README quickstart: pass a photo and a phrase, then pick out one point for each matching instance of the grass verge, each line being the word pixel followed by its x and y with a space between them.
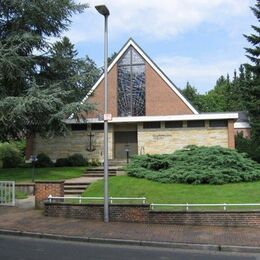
pixel 25 174
pixel 125 186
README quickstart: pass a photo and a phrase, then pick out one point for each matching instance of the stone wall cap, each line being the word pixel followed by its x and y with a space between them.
pixel 204 212
pixel 25 184
pixel 55 181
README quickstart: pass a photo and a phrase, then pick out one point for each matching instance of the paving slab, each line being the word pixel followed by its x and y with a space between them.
pixel 29 220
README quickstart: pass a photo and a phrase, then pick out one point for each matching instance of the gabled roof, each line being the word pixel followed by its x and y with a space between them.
pixel 132 43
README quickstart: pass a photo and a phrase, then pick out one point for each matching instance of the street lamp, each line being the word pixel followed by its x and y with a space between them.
pixel 103 10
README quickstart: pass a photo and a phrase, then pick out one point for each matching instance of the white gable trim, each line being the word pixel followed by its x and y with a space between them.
pixel 151 63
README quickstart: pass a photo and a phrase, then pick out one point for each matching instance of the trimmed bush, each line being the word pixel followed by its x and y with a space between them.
pixel 196 165
pixel 73 160
pixel 77 160
pixel 43 160
pixel 62 162
pixel 10 156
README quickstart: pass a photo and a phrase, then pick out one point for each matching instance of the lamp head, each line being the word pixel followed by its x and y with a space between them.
pixel 102 9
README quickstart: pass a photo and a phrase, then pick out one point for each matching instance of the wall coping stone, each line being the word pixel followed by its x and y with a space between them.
pixel 25 184
pixel 204 212
pixel 96 205
pixel 55 181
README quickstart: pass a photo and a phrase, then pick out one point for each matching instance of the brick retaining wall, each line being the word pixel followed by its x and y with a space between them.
pixel 142 214
pixel 44 188
pixel 206 218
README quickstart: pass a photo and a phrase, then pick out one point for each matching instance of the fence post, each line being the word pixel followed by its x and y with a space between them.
pixel 225 208
pixel 187 206
pixel 49 198
pixel 13 194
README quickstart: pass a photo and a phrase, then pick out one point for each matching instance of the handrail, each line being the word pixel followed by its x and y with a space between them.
pixel 187 205
pixel 50 198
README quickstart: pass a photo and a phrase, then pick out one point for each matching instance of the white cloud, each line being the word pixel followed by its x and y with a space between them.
pixel 155 19
pixel 201 73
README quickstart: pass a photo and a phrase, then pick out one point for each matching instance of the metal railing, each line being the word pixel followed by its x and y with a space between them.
pixel 7 193
pixel 81 199
pixel 187 205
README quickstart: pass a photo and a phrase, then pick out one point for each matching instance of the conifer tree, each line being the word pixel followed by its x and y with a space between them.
pixel 253 91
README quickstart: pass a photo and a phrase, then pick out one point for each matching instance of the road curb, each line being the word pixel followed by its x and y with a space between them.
pixel 188 246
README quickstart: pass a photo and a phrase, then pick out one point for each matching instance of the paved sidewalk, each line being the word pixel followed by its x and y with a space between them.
pixel 13 218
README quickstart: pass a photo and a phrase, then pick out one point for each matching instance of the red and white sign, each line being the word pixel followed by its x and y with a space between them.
pixel 107 117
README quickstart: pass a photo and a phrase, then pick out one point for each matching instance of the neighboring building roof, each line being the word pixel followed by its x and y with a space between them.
pixel 129 43
pixel 241 125
pixel 134 119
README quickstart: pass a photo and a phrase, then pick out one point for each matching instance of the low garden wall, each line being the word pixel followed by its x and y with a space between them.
pixel 27 188
pixel 143 214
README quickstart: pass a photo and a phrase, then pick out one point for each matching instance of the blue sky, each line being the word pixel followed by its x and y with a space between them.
pixel 190 40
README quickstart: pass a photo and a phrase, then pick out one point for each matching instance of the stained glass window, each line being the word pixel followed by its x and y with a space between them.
pixel 131 84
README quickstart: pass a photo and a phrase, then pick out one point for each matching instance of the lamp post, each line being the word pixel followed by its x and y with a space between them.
pixel 103 10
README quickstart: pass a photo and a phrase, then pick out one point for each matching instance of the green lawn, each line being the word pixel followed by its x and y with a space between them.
pixel 124 186
pixel 25 174
pixel 20 195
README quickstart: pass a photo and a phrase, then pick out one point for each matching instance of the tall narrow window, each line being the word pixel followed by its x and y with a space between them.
pixel 131 84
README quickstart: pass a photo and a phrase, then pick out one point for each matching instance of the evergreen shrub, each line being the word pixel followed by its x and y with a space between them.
pixel 10 156
pixel 77 160
pixel 73 160
pixel 196 165
pixel 43 160
pixel 62 162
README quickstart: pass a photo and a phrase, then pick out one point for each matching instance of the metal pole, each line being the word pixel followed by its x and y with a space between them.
pixel 106 196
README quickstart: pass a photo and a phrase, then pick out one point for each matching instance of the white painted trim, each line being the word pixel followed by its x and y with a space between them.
pixel 134 119
pixel 239 125
pixel 152 64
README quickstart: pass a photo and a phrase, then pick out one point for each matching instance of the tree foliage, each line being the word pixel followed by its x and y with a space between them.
pixel 253 91
pixel 36 77
pixel 227 94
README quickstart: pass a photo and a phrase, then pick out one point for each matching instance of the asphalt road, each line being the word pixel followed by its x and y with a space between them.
pixel 21 248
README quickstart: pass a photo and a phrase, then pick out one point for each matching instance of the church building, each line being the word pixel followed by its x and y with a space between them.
pixel 149 115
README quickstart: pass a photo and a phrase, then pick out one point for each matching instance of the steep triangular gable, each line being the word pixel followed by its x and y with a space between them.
pixel 132 43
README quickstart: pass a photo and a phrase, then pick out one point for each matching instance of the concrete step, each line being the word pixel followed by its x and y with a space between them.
pixel 117 162
pixel 73 192
pixel 75 188
pixel 97 174
pixel 68 184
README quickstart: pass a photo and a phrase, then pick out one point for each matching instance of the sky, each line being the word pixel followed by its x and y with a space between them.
pixel 190 40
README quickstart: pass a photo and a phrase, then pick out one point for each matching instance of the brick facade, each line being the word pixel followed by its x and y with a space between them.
pixel 160 99
pixel 142 214
pixel 45 188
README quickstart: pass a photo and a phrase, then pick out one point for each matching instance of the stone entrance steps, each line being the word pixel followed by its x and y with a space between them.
pixel 117 163
pixel 99 172
pixel 75 188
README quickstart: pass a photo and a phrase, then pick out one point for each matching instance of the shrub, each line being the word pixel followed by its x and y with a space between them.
pixel 73 160
pixel 77 160
pixel 249 146
pixel 95 162
pixel 196 165
pixel 62 162
pixel 43 160
pixel 10 156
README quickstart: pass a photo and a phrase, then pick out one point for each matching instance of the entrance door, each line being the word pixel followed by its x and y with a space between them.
pixel 124 140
